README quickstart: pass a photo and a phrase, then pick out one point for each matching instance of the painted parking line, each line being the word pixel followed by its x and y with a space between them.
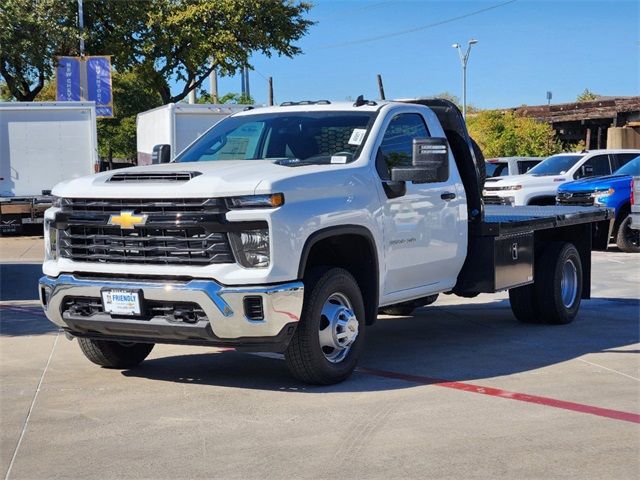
pixel 467 387
pixel 496 392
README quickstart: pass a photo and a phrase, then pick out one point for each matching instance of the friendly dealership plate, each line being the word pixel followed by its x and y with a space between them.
pixel 122 302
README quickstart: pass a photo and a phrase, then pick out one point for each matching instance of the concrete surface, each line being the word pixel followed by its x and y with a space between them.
pixel 462 390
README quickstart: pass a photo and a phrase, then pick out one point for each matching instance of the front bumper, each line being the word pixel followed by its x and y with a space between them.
pixel 225 323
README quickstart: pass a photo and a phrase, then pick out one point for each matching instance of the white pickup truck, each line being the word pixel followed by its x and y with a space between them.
pixel 539 185
pixel 287 228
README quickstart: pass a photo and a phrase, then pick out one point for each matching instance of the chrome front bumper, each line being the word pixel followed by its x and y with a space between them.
pixel 223 306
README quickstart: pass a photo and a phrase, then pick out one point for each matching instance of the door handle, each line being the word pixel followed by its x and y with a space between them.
pixel 448 196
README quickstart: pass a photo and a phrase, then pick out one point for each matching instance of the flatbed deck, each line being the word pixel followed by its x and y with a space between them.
pixel 506 220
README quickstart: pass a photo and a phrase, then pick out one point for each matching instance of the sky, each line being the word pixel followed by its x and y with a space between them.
pixel 525 48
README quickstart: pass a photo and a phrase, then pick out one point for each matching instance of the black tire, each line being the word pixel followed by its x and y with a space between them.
pixel 548 283
pixel 628 239
pixel 523 304
pixel 542 301
pixel 304 356
pixel 482 166
pixel 114 354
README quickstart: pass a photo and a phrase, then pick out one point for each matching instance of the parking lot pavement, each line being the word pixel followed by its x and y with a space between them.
pixel 461 390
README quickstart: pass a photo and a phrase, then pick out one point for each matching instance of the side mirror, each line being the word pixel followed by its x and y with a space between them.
pixel 161 154
pixel 430 163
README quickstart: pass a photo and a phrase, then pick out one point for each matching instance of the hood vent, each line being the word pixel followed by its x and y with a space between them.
pixel 160 177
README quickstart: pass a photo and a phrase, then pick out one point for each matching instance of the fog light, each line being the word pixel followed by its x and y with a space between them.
pixel 251 247
pixel 253 308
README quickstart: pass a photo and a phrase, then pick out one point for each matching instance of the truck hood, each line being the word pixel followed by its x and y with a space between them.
pixel 209 179
pixel 526 180
pixel 599 183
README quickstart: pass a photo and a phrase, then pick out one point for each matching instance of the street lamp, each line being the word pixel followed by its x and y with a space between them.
pixel 464 58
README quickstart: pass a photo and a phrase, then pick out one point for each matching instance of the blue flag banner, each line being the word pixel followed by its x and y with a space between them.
pixel 99 84
pixel 88 78
pixel 68 75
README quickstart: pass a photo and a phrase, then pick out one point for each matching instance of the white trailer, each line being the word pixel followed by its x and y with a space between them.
pixel 177 125
pixel 42 144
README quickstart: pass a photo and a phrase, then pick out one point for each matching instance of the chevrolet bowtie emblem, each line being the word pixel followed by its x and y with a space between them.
pixel 127 220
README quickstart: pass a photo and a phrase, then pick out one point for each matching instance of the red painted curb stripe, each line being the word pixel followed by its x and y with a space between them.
pixel 496 392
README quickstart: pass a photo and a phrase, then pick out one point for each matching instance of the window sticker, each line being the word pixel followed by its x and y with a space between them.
pixel 357 136
pixel 339 159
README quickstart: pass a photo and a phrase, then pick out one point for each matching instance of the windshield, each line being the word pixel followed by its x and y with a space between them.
pixel 307 137
pixel 555 165
pixel 632 168
pixel 497 169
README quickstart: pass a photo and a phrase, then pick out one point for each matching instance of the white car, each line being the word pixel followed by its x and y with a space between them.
pixel 540 184
pixel 635 203
pixel 505 166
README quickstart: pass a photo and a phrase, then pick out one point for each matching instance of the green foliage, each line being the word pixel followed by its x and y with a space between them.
pixel 130 96
pixel 163 40
pixel 586 96
pixel 506 134
pixel 32 33
pixel 233 98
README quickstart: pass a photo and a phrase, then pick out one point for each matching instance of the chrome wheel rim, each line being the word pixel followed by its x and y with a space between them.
pixel 569 283
pixel 338 327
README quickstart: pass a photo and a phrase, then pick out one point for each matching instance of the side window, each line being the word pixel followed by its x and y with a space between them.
pixel 624 158
pixel 396 148
pixel 594 167
pixel 526 165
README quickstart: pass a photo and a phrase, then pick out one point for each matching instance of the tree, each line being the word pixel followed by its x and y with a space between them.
pixel 507 134
pixel 587 96
pixel 162 40
pixel 231 97
pixel 32 33
pixel 117 136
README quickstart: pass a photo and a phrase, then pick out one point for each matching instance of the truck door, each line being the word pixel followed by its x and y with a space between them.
pixel 421 227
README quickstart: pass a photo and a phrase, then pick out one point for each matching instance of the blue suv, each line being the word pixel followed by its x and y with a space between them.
pixel 613 191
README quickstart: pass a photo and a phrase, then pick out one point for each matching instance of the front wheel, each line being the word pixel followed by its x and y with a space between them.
pixel 628 239
pixel 330 335
pixel 114 354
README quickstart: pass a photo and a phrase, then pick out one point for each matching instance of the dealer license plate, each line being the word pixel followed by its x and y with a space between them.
pixel 121 302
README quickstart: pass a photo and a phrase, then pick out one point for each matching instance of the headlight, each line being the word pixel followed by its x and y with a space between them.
pixel 251 247
pixel 603 193
pixel 500 189
pixel 50 241
pixel 256 201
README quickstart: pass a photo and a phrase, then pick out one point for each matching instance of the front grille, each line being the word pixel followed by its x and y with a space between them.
pixel 494 200
pixel 184 246
pixel 163 177
pixel 575 198
pixel 182 312
pixel 143 206
pixel 169 232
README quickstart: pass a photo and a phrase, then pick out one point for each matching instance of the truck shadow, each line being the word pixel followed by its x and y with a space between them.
pixel 453 343
pixel 19 281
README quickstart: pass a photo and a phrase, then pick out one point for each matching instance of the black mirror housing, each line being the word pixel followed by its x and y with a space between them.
pixel 430 162
pixel 161 154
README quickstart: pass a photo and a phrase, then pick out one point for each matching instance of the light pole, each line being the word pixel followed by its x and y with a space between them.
pixel 464 58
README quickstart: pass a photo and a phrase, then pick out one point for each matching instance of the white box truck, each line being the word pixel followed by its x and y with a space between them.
pixel 177 125
pixel 41 144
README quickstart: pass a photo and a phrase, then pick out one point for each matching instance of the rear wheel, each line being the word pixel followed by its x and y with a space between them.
pixel 555 296
pixel 114 354
pixel 628 239
pixel 330 335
